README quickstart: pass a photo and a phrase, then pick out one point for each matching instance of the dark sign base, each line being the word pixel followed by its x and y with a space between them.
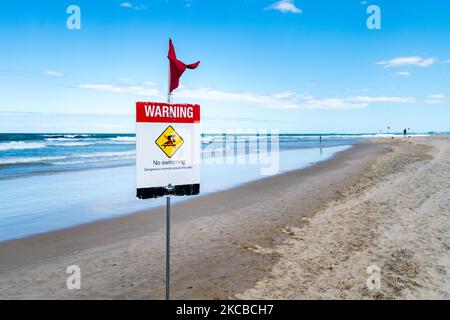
pixel 157 192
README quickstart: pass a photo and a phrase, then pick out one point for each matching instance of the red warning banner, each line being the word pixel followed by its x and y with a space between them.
pixel 167 112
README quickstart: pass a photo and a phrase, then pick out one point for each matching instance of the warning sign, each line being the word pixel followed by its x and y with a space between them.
pixel 167 149
pixel 169 141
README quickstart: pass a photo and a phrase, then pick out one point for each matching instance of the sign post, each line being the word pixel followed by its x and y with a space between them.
pixel 167 156
pixel 168 248
pixel 169 98
pixel 168 148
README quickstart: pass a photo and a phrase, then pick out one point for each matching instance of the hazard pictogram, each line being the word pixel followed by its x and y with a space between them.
pixel 169 141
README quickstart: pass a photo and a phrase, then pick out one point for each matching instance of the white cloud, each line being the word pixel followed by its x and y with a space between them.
pixel 52 73
pixel 403 74
pixel 334 103
pixel 126 5
pixel 408 61
pixel 285 6
pixel 290 100
pixel 284 95
pixel 252 98
pixel 107 87
pixel 368 99
pixel 437 98
pixel 282 100
pixel 130 5
pixel 357 89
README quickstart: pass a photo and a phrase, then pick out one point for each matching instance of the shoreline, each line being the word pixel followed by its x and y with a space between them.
pixel 211 235
pixel 62 171
pixel 115 164
pixel 87 206
pixel 181 199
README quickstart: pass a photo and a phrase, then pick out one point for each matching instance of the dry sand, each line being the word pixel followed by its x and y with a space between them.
pixel 396 218
pixel 305 234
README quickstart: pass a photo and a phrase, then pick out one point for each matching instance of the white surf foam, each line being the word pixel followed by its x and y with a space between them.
pixel 20 145
pixel 10 161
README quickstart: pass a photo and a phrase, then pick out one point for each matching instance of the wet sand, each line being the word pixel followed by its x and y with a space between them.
pixel 214 238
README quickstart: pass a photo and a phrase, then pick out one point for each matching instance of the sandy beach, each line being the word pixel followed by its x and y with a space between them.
pixel 396 218
pixel 306 234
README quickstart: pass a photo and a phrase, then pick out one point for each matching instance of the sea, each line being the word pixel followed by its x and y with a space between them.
pixel 53 181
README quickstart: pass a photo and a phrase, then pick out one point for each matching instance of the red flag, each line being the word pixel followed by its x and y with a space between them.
pixel 177 67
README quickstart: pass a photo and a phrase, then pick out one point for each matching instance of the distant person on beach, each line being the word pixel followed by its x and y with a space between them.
pixel 320 139
pixel 404 132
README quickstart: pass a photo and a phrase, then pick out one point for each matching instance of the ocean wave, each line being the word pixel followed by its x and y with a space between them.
pixel 94 160
pixel 88 157
pixel 20 145
pixel 70 144
pixel 133 139
pixel 208 139
pixel 389 135
pixel 67 136
pixel 31 160
pixel 62 139
pixel 105 154
pixel 212 150
pixel 92 140
pixel 97 157
pixel 294 137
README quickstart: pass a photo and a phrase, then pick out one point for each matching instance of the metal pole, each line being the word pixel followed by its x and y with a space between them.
pixel 168 249
pixel 168 213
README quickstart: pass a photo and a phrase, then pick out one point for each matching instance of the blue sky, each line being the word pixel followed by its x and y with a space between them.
pixel 297 66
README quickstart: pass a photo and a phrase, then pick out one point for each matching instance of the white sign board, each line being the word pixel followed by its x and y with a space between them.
pixel 168 149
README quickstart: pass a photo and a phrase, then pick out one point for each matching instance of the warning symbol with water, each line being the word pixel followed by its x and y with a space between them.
pixel 169 141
